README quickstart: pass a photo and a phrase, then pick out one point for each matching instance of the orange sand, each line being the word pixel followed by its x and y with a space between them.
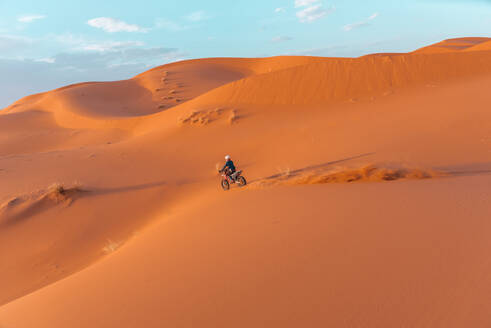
pixel 111 213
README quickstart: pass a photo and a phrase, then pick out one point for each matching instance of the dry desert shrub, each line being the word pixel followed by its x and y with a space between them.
pixel 233 117
pixel 111 246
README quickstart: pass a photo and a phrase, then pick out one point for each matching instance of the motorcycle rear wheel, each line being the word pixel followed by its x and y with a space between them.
pixel 225 185
pixel 242 181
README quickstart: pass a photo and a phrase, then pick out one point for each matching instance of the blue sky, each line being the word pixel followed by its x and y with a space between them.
pixel 48 44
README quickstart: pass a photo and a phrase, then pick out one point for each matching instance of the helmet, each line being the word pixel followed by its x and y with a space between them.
pixel 227 157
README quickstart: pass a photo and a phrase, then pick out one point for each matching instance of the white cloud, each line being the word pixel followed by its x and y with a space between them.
pixel 197 16
pixel 73 42
pixel 113 25
pixel 48 60
pixel 170 25
pixel 353 26
pixel 281 38
pixel 110 45
pixel 366 22
pixel 111 53
pixel 313 13
pixel 279 10
pixel 30 18
pixel 304 3
pixel 91 61
pixel 375 15
pixel 69 39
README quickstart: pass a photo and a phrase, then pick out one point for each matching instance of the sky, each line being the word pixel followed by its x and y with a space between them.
pixel 48 44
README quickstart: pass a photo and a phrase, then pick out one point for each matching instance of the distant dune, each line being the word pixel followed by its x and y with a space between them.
pixel 457 45
pixel 368 201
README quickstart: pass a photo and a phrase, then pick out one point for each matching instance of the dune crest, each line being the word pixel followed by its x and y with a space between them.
pixel 336 80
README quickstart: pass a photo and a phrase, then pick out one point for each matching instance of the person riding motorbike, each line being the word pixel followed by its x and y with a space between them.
pixel 229 167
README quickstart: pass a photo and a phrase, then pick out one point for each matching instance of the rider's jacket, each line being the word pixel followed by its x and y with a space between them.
pixel 230 165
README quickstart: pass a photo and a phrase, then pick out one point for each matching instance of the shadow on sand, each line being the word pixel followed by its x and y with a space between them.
pixel 123 189
pixel 470 169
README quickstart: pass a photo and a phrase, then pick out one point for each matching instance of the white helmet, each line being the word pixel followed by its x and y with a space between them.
pixel 227 157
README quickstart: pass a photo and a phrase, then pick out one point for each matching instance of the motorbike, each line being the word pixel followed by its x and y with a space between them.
pixel 234 178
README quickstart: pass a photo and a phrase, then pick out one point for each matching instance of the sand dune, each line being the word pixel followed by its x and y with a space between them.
pixel 368 203
pixel 375 76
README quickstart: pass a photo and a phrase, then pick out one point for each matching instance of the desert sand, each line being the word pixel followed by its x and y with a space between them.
pixel 368 201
